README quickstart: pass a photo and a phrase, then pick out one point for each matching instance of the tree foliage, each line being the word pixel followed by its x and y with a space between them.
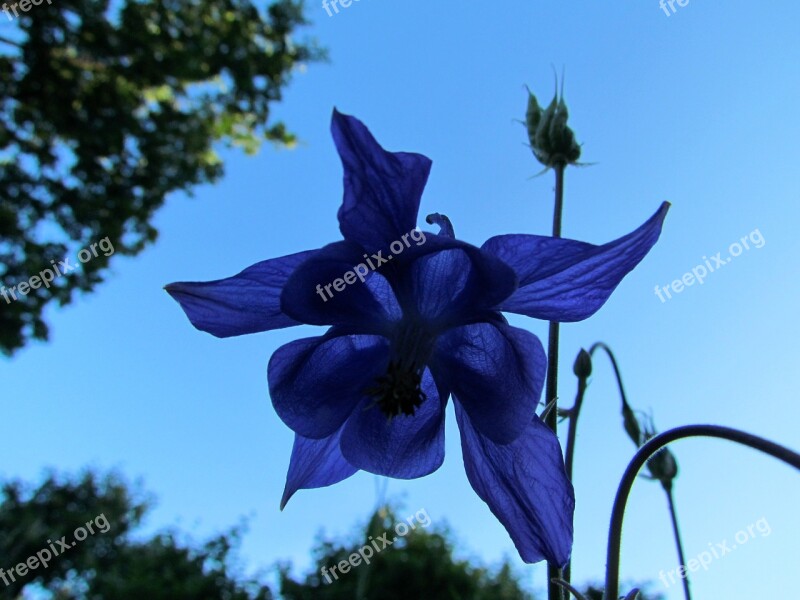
pixel 29 517
pixel 111 565
pixel 103 112
pixel 121 564
pixel 419 565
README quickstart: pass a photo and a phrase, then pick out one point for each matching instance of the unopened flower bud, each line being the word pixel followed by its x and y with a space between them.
pixel 662 465
pixel 532 116
pixel 583 365
pixel 551 140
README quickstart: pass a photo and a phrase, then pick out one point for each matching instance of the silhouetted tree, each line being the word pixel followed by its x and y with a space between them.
pixel 102 115
pixel 419 565
pixel 108 565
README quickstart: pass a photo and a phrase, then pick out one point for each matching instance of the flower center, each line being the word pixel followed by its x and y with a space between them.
pixel 399 390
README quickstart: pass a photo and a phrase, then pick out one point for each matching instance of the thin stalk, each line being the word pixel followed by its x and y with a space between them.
pixel 681 559
pixel 667 490
pixel 575 412
pixel 554 591
pixel 573 426
pixel 648 450
pixel 570 451
pixel 603 346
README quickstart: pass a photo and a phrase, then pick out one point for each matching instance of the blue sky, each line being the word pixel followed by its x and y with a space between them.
pixel 698 108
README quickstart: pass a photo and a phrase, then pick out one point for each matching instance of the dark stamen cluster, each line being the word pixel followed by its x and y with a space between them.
pixel 398 391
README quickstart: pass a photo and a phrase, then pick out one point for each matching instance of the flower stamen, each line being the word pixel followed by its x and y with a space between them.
pixel 399 390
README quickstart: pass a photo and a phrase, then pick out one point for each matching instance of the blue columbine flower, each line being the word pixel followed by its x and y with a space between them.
pixel 426 325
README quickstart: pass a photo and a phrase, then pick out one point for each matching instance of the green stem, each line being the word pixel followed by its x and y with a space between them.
pixel 570 452
pixel 668 490
pixel 648 450
pixel 603 346
pixel 682 560
pixel 573 425
pixel 575 412
pixel 554 591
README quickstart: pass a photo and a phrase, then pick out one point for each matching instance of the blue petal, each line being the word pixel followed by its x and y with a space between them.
pixel 452 281
pixel 363 306
pixel 245 303
pixel 315 464
pixel 315 383
pixel 382 190
pixel 526 487
pixel 564 280
pixel 496 372
pixel 404 447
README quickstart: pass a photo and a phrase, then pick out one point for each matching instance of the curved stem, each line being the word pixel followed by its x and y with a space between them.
pixel 551 387
pixel 681 559
pixel 648 450
pixel 610 354
pixel 575 412
pixel 667 488
pixel 574 591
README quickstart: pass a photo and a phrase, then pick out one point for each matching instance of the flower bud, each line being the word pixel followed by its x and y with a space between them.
pixel 551 140
pixel 662 465
pixel 541 139
pixel 532 116
pixel 583 365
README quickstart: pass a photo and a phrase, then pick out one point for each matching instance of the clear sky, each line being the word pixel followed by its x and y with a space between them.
pixel 698 108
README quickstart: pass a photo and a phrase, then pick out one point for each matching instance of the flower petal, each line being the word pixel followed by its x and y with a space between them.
pixel 315 383
pixel 497 373
pixel 364 306
pixel 526 487
pixel 405 447
pixel 245 303
pixel 564 280
pixel 451 281
pixel 460 281
pixel 382 190
pixel 315 464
